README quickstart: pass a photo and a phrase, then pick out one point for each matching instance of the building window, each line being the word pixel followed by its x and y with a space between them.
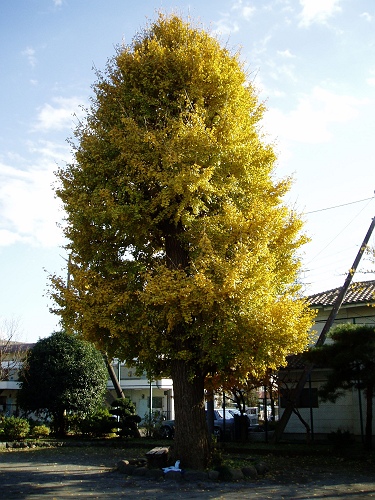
pixel 157 402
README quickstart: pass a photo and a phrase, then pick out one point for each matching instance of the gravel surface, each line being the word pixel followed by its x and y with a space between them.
pixel 91 473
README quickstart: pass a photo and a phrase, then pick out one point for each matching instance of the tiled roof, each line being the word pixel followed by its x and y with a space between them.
pixel 360 292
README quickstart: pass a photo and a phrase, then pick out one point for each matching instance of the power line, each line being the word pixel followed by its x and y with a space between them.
pixel 338 206
pixel 340 232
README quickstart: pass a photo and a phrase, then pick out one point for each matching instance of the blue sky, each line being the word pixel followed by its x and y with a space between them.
pixel 313 62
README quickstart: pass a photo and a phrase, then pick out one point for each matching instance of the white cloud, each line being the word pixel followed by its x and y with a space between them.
pixel 29 52
pixel 286 53
pixel 246 10
pixel 318 11
pixel 29 211
pixel 225 26
pixel 8 238
pixel 260 47
pixel 366 16
pixel 229 22
pixel 58 116
pixel 282 72
pixel 310 121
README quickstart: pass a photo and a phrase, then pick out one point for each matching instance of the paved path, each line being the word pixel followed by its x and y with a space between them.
pixel 88 473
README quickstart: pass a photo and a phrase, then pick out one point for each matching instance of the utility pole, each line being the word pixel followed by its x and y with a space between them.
pixel 291 403
pixel 113 377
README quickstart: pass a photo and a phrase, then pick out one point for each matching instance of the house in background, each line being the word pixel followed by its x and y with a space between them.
pixel 12 355
pixel 147 395
pixel 346 413
pixel 155 395
pixel 358 306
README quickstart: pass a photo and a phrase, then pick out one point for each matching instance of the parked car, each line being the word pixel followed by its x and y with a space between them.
pixel 167 427
pixel 234 411
pixel 224 421
pixel 166 430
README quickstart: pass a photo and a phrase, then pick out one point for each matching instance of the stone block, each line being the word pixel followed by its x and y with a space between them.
pixel 173 475
pixel 140 471
pixel 124 467
pixel 155 473
pixel 261 468
pixel 213 475
pixel 250 471
pixel 157 457
pixel 237 474
pixel 195 475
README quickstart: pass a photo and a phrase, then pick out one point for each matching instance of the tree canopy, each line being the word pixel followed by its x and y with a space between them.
pixel 184 258
pixel 62 374
pixel 351 357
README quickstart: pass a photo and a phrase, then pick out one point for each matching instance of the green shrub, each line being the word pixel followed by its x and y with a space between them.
pixel 72 423
pixel 152 423
pixel 2 418
pixel 15 428
pixel 341 440
pixel 97 424
pixel 224 473
pixel 39 431
pixel 216 459
pixel 127 421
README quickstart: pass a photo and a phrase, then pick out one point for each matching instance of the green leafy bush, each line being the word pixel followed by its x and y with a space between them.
pixel 97 424
pixel 216 453
pixel 341 440
pixel 62 375
pixel 15 428
pixel 39 431
pixel 152 423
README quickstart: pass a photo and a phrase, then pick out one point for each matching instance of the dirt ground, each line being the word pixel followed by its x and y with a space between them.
pixel 59 473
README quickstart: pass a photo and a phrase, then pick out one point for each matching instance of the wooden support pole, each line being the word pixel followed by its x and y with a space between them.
pixel 291 403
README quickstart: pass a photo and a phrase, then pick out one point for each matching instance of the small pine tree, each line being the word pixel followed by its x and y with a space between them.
pixel 127 420
pixel 351 357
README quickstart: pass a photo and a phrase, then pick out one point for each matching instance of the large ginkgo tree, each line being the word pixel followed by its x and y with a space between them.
pixel 184 257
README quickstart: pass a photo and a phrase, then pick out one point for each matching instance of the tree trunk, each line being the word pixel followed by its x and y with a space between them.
pixel 368 431
pixel 59 423
pixel 191 443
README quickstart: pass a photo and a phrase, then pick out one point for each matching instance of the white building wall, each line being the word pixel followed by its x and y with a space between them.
pixel 343 414
pixel 329 417
pixel 139 390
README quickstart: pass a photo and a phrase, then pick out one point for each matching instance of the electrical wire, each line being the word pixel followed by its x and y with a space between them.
pixel 337 235
pixel 338 206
